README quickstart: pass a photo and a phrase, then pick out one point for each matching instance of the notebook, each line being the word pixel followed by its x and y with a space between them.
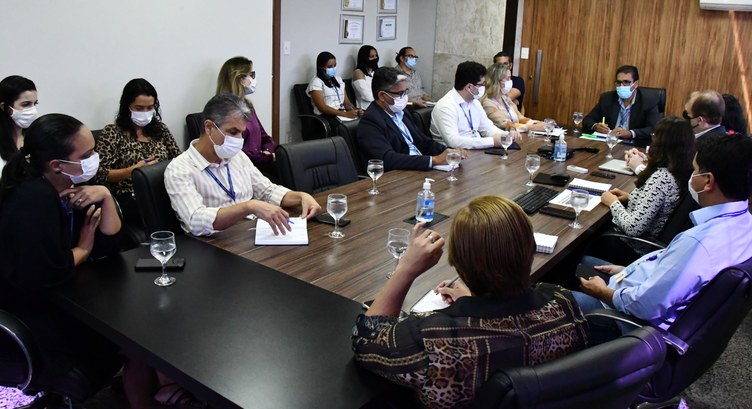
pixel 430 302
pixel 589 185
pixel 618 166
pixel 297 237
pixel 545 243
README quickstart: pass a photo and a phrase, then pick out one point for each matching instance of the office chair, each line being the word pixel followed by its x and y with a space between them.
pixel 312 126
pixel 153 201
pixel 194 123
pixel 606 376
pixel 422 118
pixel 658 93
pixel 701 332
pixel 315 166
pixel 349 90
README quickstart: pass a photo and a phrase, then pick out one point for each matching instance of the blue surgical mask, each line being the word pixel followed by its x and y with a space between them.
pixel 624 91
pixel 411 62
pixel 331 72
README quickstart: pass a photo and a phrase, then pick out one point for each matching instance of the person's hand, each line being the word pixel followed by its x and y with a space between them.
pixel 353 113
pixel 601 127
pixel 623 133
pixel 440 159
pixel 593 286
pixel 310 207
pixel 418 103
pixel 452 291
pixel 274 215
pixel 515 134
pixel 145 162
pixel 621 195
pixel 83 196
pixel 608 198
pixel 89 228
pixel 463 153
pixel 609 269
pixel 634 158
pixel 424 252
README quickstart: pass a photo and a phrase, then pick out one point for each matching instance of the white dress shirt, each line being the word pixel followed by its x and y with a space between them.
pixel 460 124
pixel 196 197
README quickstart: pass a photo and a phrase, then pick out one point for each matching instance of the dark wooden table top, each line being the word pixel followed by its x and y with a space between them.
pixel 356 266
pixel 235 333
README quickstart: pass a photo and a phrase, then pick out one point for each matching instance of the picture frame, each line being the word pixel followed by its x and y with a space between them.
pixel 352 5
pixel 351 29
pixel 386 28
pixel 387 6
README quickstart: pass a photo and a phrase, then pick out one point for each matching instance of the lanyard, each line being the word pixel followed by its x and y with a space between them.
pixel 512 118
pixel 231 191
pixel 406 133
pixel 624 113
pixel 469 117
pixel 336 91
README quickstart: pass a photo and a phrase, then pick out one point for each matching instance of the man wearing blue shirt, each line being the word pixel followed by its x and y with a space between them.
pixel 660 284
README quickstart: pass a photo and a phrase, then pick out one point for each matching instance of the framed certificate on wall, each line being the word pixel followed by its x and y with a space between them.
pixel 387 6
pixel 387 29
pixel 352 5
pixel 350 29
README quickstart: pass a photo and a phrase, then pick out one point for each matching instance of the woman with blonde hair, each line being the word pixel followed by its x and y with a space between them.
pixel 495 319
pixel 237 77
pixel 499 108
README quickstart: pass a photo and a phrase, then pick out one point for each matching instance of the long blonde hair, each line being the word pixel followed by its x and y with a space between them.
pixel 232 71
pixel 494 74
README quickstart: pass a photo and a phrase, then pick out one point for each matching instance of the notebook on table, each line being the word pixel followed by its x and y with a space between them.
pixel 597 188
pixel 545 243
pixel 297 237
pixel 618 166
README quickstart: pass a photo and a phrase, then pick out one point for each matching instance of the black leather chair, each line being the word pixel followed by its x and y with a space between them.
pixel 153 201
pixel 312 126
pixel 606 376
pixel 660 94
pixel 193 123
pixel 350 91
pixel 422 117
pixel 700 333
pixel 314 166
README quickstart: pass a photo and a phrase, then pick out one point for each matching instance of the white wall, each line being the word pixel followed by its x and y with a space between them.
pixel 422 37
pixel 312 27
pixel 80 53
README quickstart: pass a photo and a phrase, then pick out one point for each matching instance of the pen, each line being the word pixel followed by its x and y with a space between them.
pixel 290 221
pixel 449 284
pixel 603 120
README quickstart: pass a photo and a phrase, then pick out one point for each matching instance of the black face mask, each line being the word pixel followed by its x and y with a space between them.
pixel 373 64
pixel 689 119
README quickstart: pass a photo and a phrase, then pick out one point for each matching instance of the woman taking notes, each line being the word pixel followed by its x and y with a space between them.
pixel 327 91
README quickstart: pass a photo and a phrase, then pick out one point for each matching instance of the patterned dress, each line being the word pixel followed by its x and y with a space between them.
pixel 649 206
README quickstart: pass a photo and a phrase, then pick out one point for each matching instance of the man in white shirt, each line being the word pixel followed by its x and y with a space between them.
pixel 211 187
pixel 458 119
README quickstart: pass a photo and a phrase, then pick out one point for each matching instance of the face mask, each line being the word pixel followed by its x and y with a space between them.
pixel 695 195
pixel 24 117
pixel 89 168
pixel 142 118
pixel 250 88
pixel 411 62
pixel 481 91
pixel 331 72
pixel 373 64
pixel 624 91
pixel 229 148
pixel 399 104
pixel 507 87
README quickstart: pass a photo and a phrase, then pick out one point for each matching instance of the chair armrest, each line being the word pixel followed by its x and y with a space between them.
pixel 321 121
pixel 657 245
pixel 675 342
pixel 16 330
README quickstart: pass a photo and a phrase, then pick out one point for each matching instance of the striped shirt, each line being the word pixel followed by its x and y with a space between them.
pixel 196 197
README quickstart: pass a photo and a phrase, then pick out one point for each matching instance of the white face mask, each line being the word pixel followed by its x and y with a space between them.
pixel 481 92
pixel 89 167
pixel 695 195
pixel 251 87
pixel 229 148
pixel 141 119
pixel 399 104
pixel 507 87
pixel 24 117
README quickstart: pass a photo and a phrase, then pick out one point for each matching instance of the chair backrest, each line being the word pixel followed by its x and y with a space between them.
pixel 19 357
pixel 605 376
pixel 422 117
pixel 660 94
pixel 193 123
pixel 706 325
pixel 314 166
pixel 350 91
pixel 302 100
pixel 679 219
pixel 349 132
pixel 152 199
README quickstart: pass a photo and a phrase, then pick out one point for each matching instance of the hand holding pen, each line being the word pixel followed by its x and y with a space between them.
pixel 452 290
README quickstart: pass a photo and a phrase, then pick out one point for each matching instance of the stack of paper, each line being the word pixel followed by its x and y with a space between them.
pixel 556 132
pixel 618 166
pixel 297 237
pixel 545 243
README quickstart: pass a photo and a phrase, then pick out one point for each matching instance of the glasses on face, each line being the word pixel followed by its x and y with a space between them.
pixel 396 94
pixel 411 56
pixel 624 83
pixel 686 116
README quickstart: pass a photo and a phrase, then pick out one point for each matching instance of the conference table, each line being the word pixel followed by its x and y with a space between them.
pixel 268 326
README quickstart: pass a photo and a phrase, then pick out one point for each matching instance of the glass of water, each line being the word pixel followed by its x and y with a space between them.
pixel 611 141
pixel 506 142
pixel 336 205
pixel 453 159
pixel 577 119
pixel 578 200
pixel 162 247
pixel 548 125
pixel 375 169
pixel 397 242
pixel 532 164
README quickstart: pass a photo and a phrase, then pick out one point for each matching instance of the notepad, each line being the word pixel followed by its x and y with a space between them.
pixel 297 237
pixel 589 185
pixel 618 166
pixel 445 168
pixel 556 132
pixel 432 301
pixel 545 243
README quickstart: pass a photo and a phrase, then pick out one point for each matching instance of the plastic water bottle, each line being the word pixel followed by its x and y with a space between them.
pixel 560 150
pixel 426 203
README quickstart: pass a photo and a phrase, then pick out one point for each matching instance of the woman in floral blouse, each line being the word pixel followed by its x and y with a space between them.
pixel 137 138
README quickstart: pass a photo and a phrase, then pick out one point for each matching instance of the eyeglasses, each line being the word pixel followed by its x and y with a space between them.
pixel 396 94
pixel 624 83
pixel 411 56
pixel 686 116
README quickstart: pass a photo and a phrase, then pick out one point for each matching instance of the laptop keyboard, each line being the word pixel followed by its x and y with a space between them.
pixel 534 199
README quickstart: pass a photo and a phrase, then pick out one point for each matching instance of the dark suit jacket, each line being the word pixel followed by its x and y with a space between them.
pixel 379 138
pixel 642 119
pixel 721 130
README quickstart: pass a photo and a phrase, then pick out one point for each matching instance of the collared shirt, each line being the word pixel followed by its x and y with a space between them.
pixel 196 197
pixel 415 85
pixel 660 284
pixel 333 96
pixel 397 118
pixel 622 121
pixel 460 124
pixel 699 134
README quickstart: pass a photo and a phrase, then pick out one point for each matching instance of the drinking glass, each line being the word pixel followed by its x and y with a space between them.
pixel 611 141
pixel 578 200
pixel 532 164
pixel 506 142
pixel 548 125
pixel 162 247
pixel 375 170
pixel 336 205
pixel 396 243
pixel 577 119
pixel 453 159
